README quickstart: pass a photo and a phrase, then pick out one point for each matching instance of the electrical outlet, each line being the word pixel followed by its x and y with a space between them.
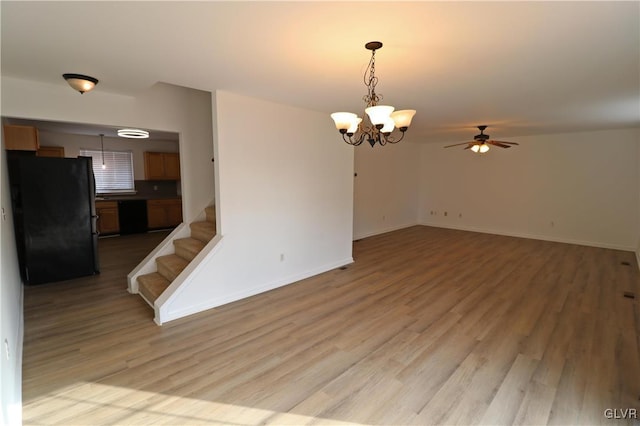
pixel 446 214
pixel 6 349
pixel 460 215
pixel 281 257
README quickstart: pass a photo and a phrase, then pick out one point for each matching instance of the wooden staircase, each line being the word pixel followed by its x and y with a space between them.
pixel 151 286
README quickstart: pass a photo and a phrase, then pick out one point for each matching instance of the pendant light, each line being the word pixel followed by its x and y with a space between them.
pixel 102 150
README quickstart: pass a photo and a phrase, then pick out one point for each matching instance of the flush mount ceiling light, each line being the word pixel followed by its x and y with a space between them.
pixel 81 83
pixel 133 133
pixel 383 119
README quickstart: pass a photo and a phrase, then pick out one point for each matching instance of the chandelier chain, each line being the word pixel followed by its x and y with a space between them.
pixel 370 80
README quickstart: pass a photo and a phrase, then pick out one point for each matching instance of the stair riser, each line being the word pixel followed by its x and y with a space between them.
pixel 203 236
pixel 151 286
pixel 166 272
pixel 185 254
pixel 211 214
pixel 143 291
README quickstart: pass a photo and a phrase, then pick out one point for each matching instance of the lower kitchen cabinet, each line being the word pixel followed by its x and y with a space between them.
pixel 108 220
pixel 165 213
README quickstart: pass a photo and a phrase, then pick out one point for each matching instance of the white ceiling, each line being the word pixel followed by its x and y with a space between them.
pixel 523 68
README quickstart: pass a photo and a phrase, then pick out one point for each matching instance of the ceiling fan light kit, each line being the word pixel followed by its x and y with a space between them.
pixel 481 148
pixel 480 143
pixel 382 118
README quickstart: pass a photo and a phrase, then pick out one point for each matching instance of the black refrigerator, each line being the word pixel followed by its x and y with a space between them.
pixel 54 217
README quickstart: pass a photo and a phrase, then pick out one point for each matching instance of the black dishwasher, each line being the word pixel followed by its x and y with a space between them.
pixel 133 216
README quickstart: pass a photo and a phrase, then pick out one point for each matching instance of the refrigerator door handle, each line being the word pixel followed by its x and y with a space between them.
pixel 94 224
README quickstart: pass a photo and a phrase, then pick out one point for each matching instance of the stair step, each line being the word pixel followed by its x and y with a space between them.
pixel 203 231
pixel 211 213
pixel 187 248
pixel 170 266
pixel 152 285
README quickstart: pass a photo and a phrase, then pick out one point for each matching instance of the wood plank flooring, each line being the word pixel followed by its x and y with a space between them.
pixel 428 326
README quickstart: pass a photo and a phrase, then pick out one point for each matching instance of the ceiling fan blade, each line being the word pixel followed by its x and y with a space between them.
pixel 458 144
pixel 468 146
pixel 508 143
pixel 500 144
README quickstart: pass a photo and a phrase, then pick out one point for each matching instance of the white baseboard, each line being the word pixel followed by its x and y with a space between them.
pixel 384 231
pixel 532 236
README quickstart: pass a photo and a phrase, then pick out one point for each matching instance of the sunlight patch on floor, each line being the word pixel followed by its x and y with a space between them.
pixel 95 403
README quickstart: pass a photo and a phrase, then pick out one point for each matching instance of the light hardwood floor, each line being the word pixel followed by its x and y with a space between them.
pixel 428 326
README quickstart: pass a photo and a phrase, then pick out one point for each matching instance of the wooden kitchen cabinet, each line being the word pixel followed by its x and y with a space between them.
pixel 108 220
pixel 162 166
pixel 165 213
pixel 21 138
pixel 50 151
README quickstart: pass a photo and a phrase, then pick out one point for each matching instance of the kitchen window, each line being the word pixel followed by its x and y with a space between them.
pixel 117 174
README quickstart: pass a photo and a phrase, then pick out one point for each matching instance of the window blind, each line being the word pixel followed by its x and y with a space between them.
pixel 117 176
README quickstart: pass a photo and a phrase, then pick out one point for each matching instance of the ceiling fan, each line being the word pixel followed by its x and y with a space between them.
pixel 481 142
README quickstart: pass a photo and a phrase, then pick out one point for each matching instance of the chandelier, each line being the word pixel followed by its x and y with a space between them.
pixel 382 118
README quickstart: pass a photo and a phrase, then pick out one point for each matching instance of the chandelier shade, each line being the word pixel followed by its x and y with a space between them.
pixel 388 126
pixel 379 114
pixel 344 120
pixel 382 120
pixel 354 125
pixel 403 117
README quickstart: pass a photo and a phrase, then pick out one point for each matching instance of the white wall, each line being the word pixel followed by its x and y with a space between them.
pixel 284 202
pixel 638 233
pixel 573 187
pixel 386 187
pixel 11 318
pixel 74 143
pixel 188 112
pixel 162 107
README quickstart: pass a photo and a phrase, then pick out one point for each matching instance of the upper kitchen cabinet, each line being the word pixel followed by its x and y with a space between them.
pixel 21 138
pixel 161 166
pixel 50 151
